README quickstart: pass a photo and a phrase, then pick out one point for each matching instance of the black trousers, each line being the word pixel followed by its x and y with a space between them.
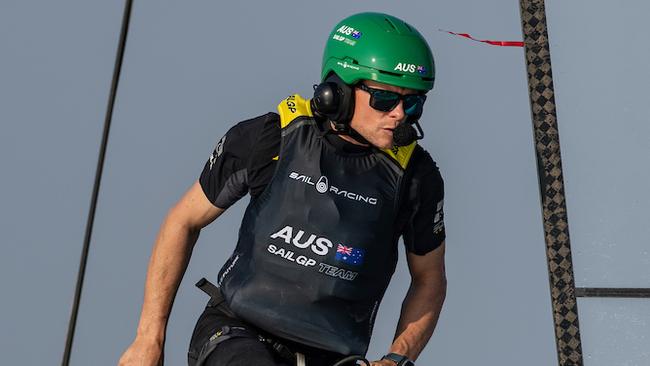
pixel 247 351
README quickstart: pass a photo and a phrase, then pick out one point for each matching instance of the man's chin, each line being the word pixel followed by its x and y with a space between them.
pixel 381 142
pixel 385 145
pixel 386 141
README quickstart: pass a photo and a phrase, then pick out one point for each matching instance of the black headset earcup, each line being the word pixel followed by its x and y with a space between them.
pixel 326 99
pixel 334 99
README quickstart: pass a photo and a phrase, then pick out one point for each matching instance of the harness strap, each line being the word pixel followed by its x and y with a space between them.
pixel 216 298
pixel 281 349
pixel 209 288
pixel 226 332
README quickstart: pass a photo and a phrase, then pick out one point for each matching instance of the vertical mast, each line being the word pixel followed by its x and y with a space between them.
pixel 98 177
pixel 551 182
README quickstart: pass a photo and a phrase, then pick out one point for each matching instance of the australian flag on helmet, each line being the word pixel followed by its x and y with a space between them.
pixel 349 255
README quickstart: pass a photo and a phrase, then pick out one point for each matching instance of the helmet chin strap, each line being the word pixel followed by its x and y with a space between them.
pixel 345 129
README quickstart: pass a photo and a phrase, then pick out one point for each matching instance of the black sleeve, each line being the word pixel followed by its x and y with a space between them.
pixel 425 229
pixel 225 176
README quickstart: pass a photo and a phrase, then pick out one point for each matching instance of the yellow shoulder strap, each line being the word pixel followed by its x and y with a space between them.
pixel 401 154
pixel 292 107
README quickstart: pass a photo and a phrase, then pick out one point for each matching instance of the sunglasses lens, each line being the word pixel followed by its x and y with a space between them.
pixel 384 100
pixel 413 104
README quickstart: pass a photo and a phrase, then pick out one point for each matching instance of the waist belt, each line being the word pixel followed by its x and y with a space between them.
pixel 226 332
pixel 217 300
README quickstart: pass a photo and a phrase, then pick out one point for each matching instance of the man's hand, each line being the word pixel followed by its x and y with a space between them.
pixel 142 353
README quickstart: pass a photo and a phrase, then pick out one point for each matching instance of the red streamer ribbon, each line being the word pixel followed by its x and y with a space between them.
pixel 494 43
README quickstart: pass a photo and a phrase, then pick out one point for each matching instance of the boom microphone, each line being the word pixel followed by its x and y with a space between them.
pixel 404 134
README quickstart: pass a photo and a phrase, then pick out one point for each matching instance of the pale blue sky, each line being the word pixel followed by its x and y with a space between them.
pixel 192 69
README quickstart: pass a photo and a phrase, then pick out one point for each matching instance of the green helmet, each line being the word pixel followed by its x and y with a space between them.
pixel 379 47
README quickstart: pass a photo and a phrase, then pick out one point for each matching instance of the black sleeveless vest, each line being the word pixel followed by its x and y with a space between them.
pixel 318 247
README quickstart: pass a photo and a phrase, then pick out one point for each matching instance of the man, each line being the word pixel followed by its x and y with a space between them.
pixel 334 182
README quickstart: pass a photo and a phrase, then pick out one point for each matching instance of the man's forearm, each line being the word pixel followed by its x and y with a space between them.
pixel 168 262
pixel 418 318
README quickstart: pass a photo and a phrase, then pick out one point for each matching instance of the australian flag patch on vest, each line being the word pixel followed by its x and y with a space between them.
pixel 349 255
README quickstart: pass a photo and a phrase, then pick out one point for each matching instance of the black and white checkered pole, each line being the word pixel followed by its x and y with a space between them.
pixel 551 182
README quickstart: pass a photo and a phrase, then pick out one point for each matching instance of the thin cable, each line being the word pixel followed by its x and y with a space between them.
pixel 613 292
pixel 353 358
pixel 98 177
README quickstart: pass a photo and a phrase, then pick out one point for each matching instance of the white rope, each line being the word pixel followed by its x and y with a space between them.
pixel 300 359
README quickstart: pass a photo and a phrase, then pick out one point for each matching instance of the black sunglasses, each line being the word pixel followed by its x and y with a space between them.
pixel 386 100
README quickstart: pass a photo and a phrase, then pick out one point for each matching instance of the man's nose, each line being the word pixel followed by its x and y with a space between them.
pixel 398 112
